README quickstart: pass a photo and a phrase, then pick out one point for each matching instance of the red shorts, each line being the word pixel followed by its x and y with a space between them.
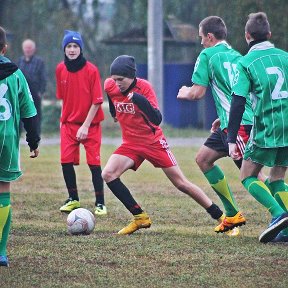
pixel 70 146
pixel 157 154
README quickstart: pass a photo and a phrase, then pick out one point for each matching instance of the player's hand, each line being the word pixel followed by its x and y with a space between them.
pixel 115 119
pixel 82 133
pixel 233 151
pixel 34 153
pixel 215 125
pixel 183 92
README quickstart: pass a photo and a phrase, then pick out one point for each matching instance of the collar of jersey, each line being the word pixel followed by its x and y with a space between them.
pixel 262 46
pixel 223 42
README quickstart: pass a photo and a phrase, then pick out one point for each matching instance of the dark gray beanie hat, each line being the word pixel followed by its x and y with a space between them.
pixel 123 65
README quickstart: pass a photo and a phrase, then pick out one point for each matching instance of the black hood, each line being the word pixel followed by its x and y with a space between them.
pixel 6 69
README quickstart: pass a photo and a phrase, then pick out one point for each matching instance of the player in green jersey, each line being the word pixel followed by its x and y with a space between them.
pixel 215 66
pixel 264 73
pixel 15 103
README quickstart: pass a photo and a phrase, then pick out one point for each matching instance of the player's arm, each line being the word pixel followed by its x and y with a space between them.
pixel 58 82
pixel 236 112
pixel 200 80
pixel 83 130
pixel 215 125
pixel 112 109
pixel 109 86
pixel 195 92
pixel 32 136
pixel 153 114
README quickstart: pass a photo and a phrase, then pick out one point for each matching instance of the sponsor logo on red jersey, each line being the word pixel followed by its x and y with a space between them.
pixel 124 107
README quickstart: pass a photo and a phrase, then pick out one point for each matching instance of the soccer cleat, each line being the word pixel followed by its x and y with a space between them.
pixel 140 221
pixel 70 205
pixel 231 233
pixel 229 223
pixel 280 238
pixel 4 261
pixel 100 209
pixel 277 224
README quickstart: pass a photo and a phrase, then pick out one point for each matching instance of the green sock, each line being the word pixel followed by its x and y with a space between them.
pixel 267 183
pixel 219 184
pixel 278 191
pixel 5 221
pixel 263 195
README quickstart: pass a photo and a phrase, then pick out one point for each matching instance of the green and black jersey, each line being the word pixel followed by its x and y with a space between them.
pixel 15 103
pixel 264 72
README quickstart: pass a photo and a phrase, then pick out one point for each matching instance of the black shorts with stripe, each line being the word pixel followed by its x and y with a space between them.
pixel 218 140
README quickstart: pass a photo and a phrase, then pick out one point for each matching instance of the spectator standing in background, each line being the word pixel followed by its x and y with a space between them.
pixel 34 71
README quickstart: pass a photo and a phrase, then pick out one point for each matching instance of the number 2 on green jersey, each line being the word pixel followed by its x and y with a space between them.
pixel 277 93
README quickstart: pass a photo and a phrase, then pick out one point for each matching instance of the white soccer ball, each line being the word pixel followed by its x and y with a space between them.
pixel 80 221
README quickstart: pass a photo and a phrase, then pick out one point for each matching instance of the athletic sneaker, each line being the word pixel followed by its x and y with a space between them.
pixel 100 209
pixel 281 237
pixel 231 233
pixel 140 221
pixel 230 222
pixel 4 261
pixel 277 224
pixel 70 205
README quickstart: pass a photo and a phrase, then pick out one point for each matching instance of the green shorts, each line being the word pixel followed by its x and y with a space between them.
pixel 269 157
pixel 6 176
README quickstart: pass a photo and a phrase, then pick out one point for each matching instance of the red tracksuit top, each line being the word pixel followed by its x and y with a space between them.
pixel 79 90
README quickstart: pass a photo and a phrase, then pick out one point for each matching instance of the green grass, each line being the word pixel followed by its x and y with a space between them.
pixel 179 250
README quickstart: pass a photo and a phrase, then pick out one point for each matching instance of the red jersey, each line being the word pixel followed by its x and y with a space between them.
pixel 79 90
pixel 135 126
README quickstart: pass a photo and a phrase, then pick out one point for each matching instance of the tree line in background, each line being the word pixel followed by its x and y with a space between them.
pixel 45 21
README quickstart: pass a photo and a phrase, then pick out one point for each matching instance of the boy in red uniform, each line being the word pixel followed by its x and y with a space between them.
pixel 79 87
pixel 134 104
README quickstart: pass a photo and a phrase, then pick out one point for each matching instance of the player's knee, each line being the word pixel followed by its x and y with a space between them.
pixel 200 160
pixel 107 175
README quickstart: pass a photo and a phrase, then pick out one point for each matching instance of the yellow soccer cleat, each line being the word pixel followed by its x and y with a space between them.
pixel 70 205
pixel 228 223
pixel 140 221
pixel 231 233
pixel 100 210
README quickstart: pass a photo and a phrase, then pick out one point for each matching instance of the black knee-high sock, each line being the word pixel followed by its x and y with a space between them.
pixel 97 183
pixel 124 195
pixel 70 180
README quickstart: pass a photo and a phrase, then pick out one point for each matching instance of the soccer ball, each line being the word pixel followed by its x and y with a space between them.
pixel 80 221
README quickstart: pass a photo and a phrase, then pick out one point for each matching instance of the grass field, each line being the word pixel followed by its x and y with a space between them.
pixel 179 250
